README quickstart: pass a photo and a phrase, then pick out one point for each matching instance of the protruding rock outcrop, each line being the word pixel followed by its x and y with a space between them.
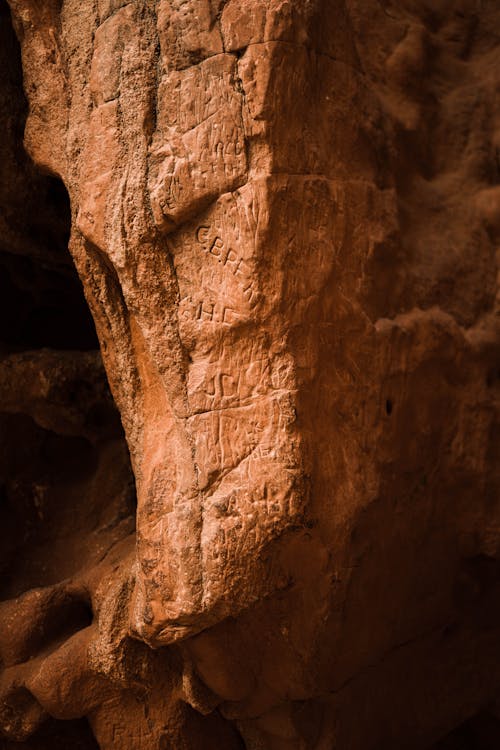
pixel 285 216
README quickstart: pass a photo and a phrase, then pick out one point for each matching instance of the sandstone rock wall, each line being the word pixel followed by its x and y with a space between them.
pixel 285 216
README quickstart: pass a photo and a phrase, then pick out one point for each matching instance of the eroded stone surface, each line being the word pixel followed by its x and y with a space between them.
pixel 285 217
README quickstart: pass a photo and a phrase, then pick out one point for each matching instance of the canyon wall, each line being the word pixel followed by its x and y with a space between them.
pixel 285 217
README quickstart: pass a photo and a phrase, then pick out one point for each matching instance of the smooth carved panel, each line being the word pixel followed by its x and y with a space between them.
pixel 110 39
pixel 215 267
pixel 235 372
pixel 110 209
pixel 98 178
pixel 188 32
pixel 224 438
pixel 198 150
pixel 323 97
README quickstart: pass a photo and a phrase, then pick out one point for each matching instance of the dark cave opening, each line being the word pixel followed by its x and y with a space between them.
pixel 42 307
pixel 53 463
pixel 41 297
pixel 58 735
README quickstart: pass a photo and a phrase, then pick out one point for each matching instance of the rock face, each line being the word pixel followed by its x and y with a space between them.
pixel 285 216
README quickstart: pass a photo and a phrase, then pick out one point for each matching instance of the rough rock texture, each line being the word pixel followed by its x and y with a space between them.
pixel 285 215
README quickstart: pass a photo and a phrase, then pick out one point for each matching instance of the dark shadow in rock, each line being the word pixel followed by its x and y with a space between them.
pixel 482 732
pixel 41 297
pixel 57 735
pixel 67 494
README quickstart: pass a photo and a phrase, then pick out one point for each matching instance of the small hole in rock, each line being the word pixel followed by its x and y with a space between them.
pixel 388 407
pixel 492 378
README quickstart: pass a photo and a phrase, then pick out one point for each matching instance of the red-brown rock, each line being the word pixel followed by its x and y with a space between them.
pixel 285 217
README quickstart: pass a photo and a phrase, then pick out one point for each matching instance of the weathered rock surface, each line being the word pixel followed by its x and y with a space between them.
pixel 286 217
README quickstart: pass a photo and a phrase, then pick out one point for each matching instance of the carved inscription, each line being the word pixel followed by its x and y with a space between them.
pixel 222 385
pixel 215 246
pixel 226 437
pixel 173 192
pixel 208 312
